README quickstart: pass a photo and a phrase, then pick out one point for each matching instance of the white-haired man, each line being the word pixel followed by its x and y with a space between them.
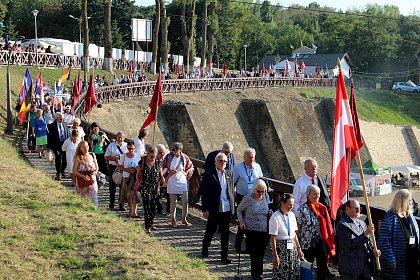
pixel 227 149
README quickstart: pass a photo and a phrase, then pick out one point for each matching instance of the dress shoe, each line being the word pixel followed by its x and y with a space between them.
pixel 226 261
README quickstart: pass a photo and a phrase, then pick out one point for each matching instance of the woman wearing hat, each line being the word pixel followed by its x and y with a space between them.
pixel 68 116
pixel 98 142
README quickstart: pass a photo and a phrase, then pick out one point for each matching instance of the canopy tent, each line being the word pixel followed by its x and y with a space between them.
pixel 371 167
pixel 406 169
pixel 282 65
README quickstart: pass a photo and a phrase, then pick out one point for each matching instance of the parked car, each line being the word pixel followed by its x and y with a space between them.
pixel 355 188
pixel 406 86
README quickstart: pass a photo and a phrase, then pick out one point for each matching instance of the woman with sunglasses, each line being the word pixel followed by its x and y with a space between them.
pixel 284 241
pixel 252 213
pixel 177 169
pixel 128 164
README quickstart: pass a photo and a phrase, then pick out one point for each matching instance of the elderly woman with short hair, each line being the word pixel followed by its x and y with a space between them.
pixel 316 235
pixel 399 240
pixel 245 174
pixel 252 215
pixel 76 126
pixel 177 169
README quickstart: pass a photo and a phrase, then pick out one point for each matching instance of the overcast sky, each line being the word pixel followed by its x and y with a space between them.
pixel 407 7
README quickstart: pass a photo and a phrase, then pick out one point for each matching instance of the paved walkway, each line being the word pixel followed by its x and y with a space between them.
pixel 187 239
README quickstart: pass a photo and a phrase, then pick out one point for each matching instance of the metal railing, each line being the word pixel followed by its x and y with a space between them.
pixel 59 60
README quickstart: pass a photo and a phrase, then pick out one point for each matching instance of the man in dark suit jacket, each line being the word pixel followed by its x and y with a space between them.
pixel 227 149
pixel 57 134
pixel 218 204
pixel 355 246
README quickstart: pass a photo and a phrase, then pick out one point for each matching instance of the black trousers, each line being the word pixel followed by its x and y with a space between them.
pixel 223 221
pixel 31 141
pixel 60 160
pixel 321 260
pixel 256 243
pixel 240 232
pixel 112 186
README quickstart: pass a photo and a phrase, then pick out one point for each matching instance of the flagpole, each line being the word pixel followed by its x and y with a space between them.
pixel 362 177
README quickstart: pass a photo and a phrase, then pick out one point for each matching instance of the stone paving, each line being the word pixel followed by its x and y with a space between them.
pixel 187 239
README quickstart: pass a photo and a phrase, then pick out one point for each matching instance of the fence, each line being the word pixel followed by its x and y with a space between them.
pixel 58 60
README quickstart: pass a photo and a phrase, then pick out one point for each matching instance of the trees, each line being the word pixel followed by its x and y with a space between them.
pixel 155 38
pixel 108 37
pixel 164 36
pixel 188 20
pixel 204 36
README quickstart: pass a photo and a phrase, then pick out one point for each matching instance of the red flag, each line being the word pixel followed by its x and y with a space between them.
pixel 157 100
pixel 224 69
pixel 270 69
pixel 344 138
pixel 286 66
pixel 90 98
pixel 302 65
pixel 318 70
pixel 355 117
pixel 79 83
pixel 263 69
pixel 130 76
pixel 76 93
pixel 296 70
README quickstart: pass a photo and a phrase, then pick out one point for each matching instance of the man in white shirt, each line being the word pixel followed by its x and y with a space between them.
pixel 310 177
pixel 112 155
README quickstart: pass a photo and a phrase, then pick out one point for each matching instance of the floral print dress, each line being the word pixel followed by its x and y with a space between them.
pixel 92 190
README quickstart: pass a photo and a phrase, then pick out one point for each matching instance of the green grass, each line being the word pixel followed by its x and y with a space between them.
pixel 378 105
pixel 49 232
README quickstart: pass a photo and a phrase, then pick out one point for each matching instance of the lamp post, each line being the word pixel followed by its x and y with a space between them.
pixel 9 127
pixel 80 26
pixel 245 46
pixel 35 13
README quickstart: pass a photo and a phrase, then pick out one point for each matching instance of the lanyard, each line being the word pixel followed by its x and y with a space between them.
pixel 410 225
pixel 287 224
pixel 248 174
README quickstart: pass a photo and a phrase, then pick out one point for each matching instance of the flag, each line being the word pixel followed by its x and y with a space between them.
pixel 355 117
pixel 26 88
pixel 90 98
pixel 296 70
pixel 318 70
pixel 343 139
pixel 161 67
pixel 76 93
pixel 64 77
pixel 287 66
pixel 211 70
pixel 22 112
pixel 270 69
pixel 199 71
pixel 224 69
pixel 157 100
pixel 302 65
pixel 263 69
pixel 130 76
pixel 79 83
pixel 39 88
pixel 326 68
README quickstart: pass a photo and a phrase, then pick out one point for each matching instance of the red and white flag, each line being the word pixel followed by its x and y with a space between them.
pixel 344 138
pixel 90 98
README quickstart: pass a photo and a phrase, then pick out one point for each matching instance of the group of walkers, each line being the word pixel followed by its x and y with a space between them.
pixel 297 226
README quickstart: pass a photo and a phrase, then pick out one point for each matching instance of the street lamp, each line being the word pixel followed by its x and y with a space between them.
pixel 245 46
pixel 35 13
pixel 80 26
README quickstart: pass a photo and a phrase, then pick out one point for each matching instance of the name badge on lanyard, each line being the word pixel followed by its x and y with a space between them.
pixel 289 242
pixel 249 175
pixel 412 240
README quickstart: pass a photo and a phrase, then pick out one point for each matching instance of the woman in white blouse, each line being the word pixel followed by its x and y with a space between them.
pixel 284 241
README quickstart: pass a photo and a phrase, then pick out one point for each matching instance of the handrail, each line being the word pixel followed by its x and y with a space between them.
pixel 59 60
pixel 112 93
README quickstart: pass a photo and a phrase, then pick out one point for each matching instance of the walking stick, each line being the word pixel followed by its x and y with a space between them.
pixel 238 276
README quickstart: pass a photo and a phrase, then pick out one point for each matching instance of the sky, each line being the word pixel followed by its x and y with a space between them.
pixel 406 6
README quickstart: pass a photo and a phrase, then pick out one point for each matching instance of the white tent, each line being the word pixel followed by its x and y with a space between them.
pixel 406 169
pixel 282 65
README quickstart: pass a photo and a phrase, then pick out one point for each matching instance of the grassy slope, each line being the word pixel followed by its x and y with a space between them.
pixel 378 105
pixel 48 232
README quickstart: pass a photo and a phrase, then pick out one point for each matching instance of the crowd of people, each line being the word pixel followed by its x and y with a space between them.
pixel 297 225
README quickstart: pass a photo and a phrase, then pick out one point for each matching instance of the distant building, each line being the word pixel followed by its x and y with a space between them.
pixel 311 59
